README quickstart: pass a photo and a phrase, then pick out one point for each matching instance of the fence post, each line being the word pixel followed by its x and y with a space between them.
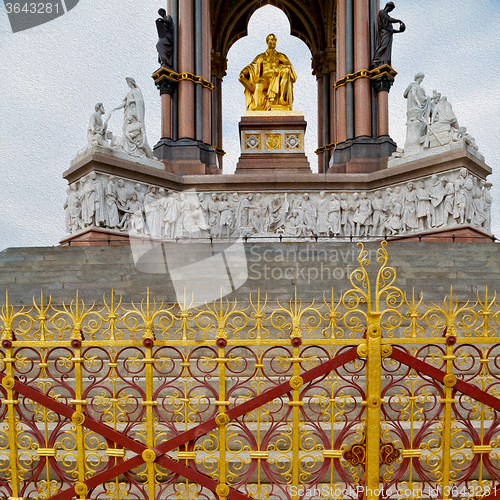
pixel 222 419
pixel 449 381
pixel 148 454
pixel 373 402
pixel 8 383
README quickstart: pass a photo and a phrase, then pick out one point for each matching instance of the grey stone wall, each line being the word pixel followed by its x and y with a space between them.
pixel 275 268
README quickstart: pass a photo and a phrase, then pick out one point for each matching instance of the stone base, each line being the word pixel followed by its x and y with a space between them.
pixel 272 140
pixel 187 156
pixel 362 155
pixel 401 158
pixel 97 236
pixel 287 186
pixel 467 233
pixel 263 162
pixel 118 155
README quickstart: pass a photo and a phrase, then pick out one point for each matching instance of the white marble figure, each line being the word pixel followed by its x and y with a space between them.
pixel 478 217
pixel 73 209
pixel 225 217
pixel 93 207
pixel 171 212
pixel 322 226
pixel 133 140
pixel 111 197
pixel 362 215
pixel 234 204
pixel 468 140
pixel 122 196
pixel 461 197
pixel 430 121
pixel 346 218
pixel 191 215
pixel 378 216
pixel 437 193
pixel 138 191
pixel 417 115
pixel 243 226
pixel 276 215
pixel 213 215
pixel 133 220
pixel 409 217
pixel 334 215
pixel 424 207
pixel 392 224
pixel 152 212
pixel 487 201
pixel 97 130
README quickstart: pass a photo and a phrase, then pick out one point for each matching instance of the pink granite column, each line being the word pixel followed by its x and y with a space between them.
pixel 166 115
pixel 340 93
pixel 383 112
pixel 333 107
pixel 362 86
pixel 186 64
pixel 219 144
pixel 206 96
pixel 320 122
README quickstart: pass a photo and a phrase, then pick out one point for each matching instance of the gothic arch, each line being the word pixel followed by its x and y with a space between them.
pixel 312 21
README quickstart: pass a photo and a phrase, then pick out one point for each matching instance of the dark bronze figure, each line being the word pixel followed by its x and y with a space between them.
pixel 165 45
pixel 385 32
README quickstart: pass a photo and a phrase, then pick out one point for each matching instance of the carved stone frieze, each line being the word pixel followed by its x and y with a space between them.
pixel 438 202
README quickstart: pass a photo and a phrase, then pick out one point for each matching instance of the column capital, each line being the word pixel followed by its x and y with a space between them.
pixel 219 65
pixel 323 63
pixel 382 82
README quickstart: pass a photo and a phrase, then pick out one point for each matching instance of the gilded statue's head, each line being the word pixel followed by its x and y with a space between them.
pixel 271 41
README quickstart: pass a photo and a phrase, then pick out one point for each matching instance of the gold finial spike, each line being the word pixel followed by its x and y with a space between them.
pixel 77 304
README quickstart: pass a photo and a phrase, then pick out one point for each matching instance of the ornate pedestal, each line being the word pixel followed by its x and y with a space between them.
pixel 272 140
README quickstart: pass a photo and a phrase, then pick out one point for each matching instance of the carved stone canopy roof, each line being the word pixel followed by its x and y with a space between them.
pixel 313 21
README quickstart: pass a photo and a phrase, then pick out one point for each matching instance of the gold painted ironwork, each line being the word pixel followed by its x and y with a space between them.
pixel 152 371
pixel 273 141
pixel 177 77
pixel 219 151
pixel 365 73
pixel 326 147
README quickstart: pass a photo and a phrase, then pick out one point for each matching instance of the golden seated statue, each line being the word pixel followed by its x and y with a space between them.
pixel 269 80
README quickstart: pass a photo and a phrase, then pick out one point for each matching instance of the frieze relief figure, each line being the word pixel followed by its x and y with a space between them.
pixel 111 196
pixel 93 208
pixel 426 204
pixel 334 215
pixel 73 208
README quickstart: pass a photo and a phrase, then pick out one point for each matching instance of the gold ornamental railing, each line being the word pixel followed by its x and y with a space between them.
pixel 371 393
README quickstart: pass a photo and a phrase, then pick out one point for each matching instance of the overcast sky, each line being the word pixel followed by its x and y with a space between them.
pixel 52 75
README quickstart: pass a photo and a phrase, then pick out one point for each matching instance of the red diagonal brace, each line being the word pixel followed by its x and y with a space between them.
pixel 178 440
pixel 461 386
pixel 122 440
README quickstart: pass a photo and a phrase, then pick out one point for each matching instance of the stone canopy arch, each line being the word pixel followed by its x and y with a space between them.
pixel 312 21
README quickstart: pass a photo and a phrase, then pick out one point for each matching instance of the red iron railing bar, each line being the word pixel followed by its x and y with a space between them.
pixel 183 438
